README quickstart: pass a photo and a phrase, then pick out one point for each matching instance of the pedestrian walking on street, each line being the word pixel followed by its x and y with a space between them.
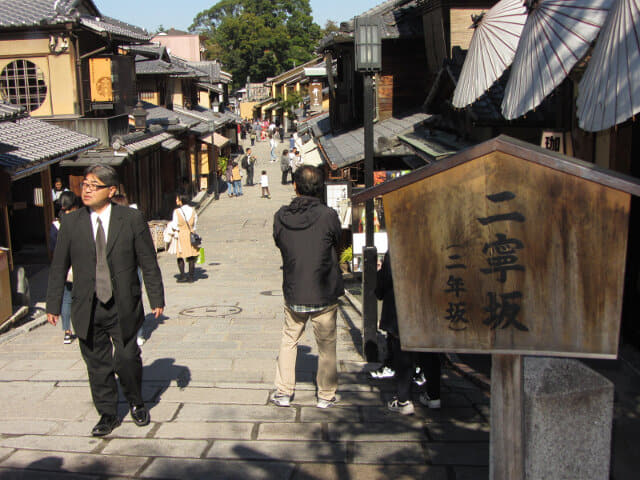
pixel 185 219
pixel 248 163
pixel 264 183
pixel 229 177
pixel 105 244
pixel 308 233
pixel 285 166
pixel 403 360
pixel 236 178
pixel 273 145
pixel 69 202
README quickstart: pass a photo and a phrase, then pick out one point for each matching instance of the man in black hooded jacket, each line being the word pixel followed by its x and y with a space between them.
pixel 307 232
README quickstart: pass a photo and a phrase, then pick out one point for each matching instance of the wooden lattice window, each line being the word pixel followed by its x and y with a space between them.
pixel 149 97
pixel 22 83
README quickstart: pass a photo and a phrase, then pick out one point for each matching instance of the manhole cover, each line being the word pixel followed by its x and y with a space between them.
pixel 212 311
pixel 272 293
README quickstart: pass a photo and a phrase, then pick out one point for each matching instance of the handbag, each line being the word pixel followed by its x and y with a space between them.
pixel 194 238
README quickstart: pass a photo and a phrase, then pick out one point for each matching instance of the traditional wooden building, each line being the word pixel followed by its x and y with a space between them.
pixel 28 150
pixel 64 63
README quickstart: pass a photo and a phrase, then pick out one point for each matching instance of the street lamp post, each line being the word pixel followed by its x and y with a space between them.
pixel 368 48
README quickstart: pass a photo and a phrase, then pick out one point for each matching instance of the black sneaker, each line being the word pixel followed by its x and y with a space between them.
pixel 68 338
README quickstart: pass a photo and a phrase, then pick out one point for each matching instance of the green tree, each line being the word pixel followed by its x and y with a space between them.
pixel 258 39
pixel 330 27
pixel 293 101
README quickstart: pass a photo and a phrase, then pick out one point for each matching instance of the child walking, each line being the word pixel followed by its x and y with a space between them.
pixel 264 183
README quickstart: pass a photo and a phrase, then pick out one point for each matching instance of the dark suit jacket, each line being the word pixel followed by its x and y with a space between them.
pixel 129 246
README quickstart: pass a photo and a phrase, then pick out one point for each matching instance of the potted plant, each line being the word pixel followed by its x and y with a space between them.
pixel 345 259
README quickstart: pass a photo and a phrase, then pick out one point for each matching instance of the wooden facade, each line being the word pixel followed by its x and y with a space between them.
pixel 446 26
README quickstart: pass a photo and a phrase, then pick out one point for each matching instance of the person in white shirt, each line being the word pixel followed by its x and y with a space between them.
pixel 57 190
pixel 264 183
pixel 273 145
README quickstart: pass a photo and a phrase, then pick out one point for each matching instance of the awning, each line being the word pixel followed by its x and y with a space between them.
pixel 209 86
pixel 429 146
pixel 269 106
pixel 216 139
pixel 311 154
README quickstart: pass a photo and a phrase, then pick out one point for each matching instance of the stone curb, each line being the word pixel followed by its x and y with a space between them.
pixel 477 378
pixel 39 319
pixel 355 303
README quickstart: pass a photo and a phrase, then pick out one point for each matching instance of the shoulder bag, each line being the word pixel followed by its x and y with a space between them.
pixel 194 238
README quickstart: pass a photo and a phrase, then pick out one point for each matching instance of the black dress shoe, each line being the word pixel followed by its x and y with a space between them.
pixel 105 426
pixel 140 415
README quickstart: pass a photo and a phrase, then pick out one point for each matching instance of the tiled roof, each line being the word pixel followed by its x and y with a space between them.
pixel 164 116
pixel 150 51
pixel 9 112
pixel 147 142
pixel 105 156
pixel 27 142
pixel 320 125
pixel 115 27
pixel 348 148
pixel 184 65
pixel 487 109
pixel 400 19
pixel 171 144
pixel 209 86
pixel 217 119
pixel 213 70
pixel 33 13
pixel 148 66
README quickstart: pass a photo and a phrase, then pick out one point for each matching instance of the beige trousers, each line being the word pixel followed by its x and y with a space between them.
pixel 324 329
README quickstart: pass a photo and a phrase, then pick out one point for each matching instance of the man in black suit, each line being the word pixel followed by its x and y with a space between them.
pixel 105 244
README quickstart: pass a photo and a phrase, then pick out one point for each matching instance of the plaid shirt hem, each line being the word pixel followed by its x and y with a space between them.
pixel 307 308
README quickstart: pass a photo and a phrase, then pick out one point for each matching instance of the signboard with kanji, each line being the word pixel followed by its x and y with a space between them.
pixel 508 248
pixel 315 94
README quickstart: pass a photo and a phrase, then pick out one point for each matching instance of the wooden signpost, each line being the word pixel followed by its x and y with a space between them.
pixel 508 249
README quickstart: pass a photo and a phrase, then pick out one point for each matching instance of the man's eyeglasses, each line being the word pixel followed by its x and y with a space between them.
pixel 92 187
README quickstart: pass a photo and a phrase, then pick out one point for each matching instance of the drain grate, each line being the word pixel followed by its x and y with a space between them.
pixel 212 311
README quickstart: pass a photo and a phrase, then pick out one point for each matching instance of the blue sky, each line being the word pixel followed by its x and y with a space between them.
pixel 149 14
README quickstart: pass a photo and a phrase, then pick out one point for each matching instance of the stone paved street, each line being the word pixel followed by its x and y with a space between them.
pixel 209 365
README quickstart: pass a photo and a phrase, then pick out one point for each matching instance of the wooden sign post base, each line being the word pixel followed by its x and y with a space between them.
pixel 506 457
